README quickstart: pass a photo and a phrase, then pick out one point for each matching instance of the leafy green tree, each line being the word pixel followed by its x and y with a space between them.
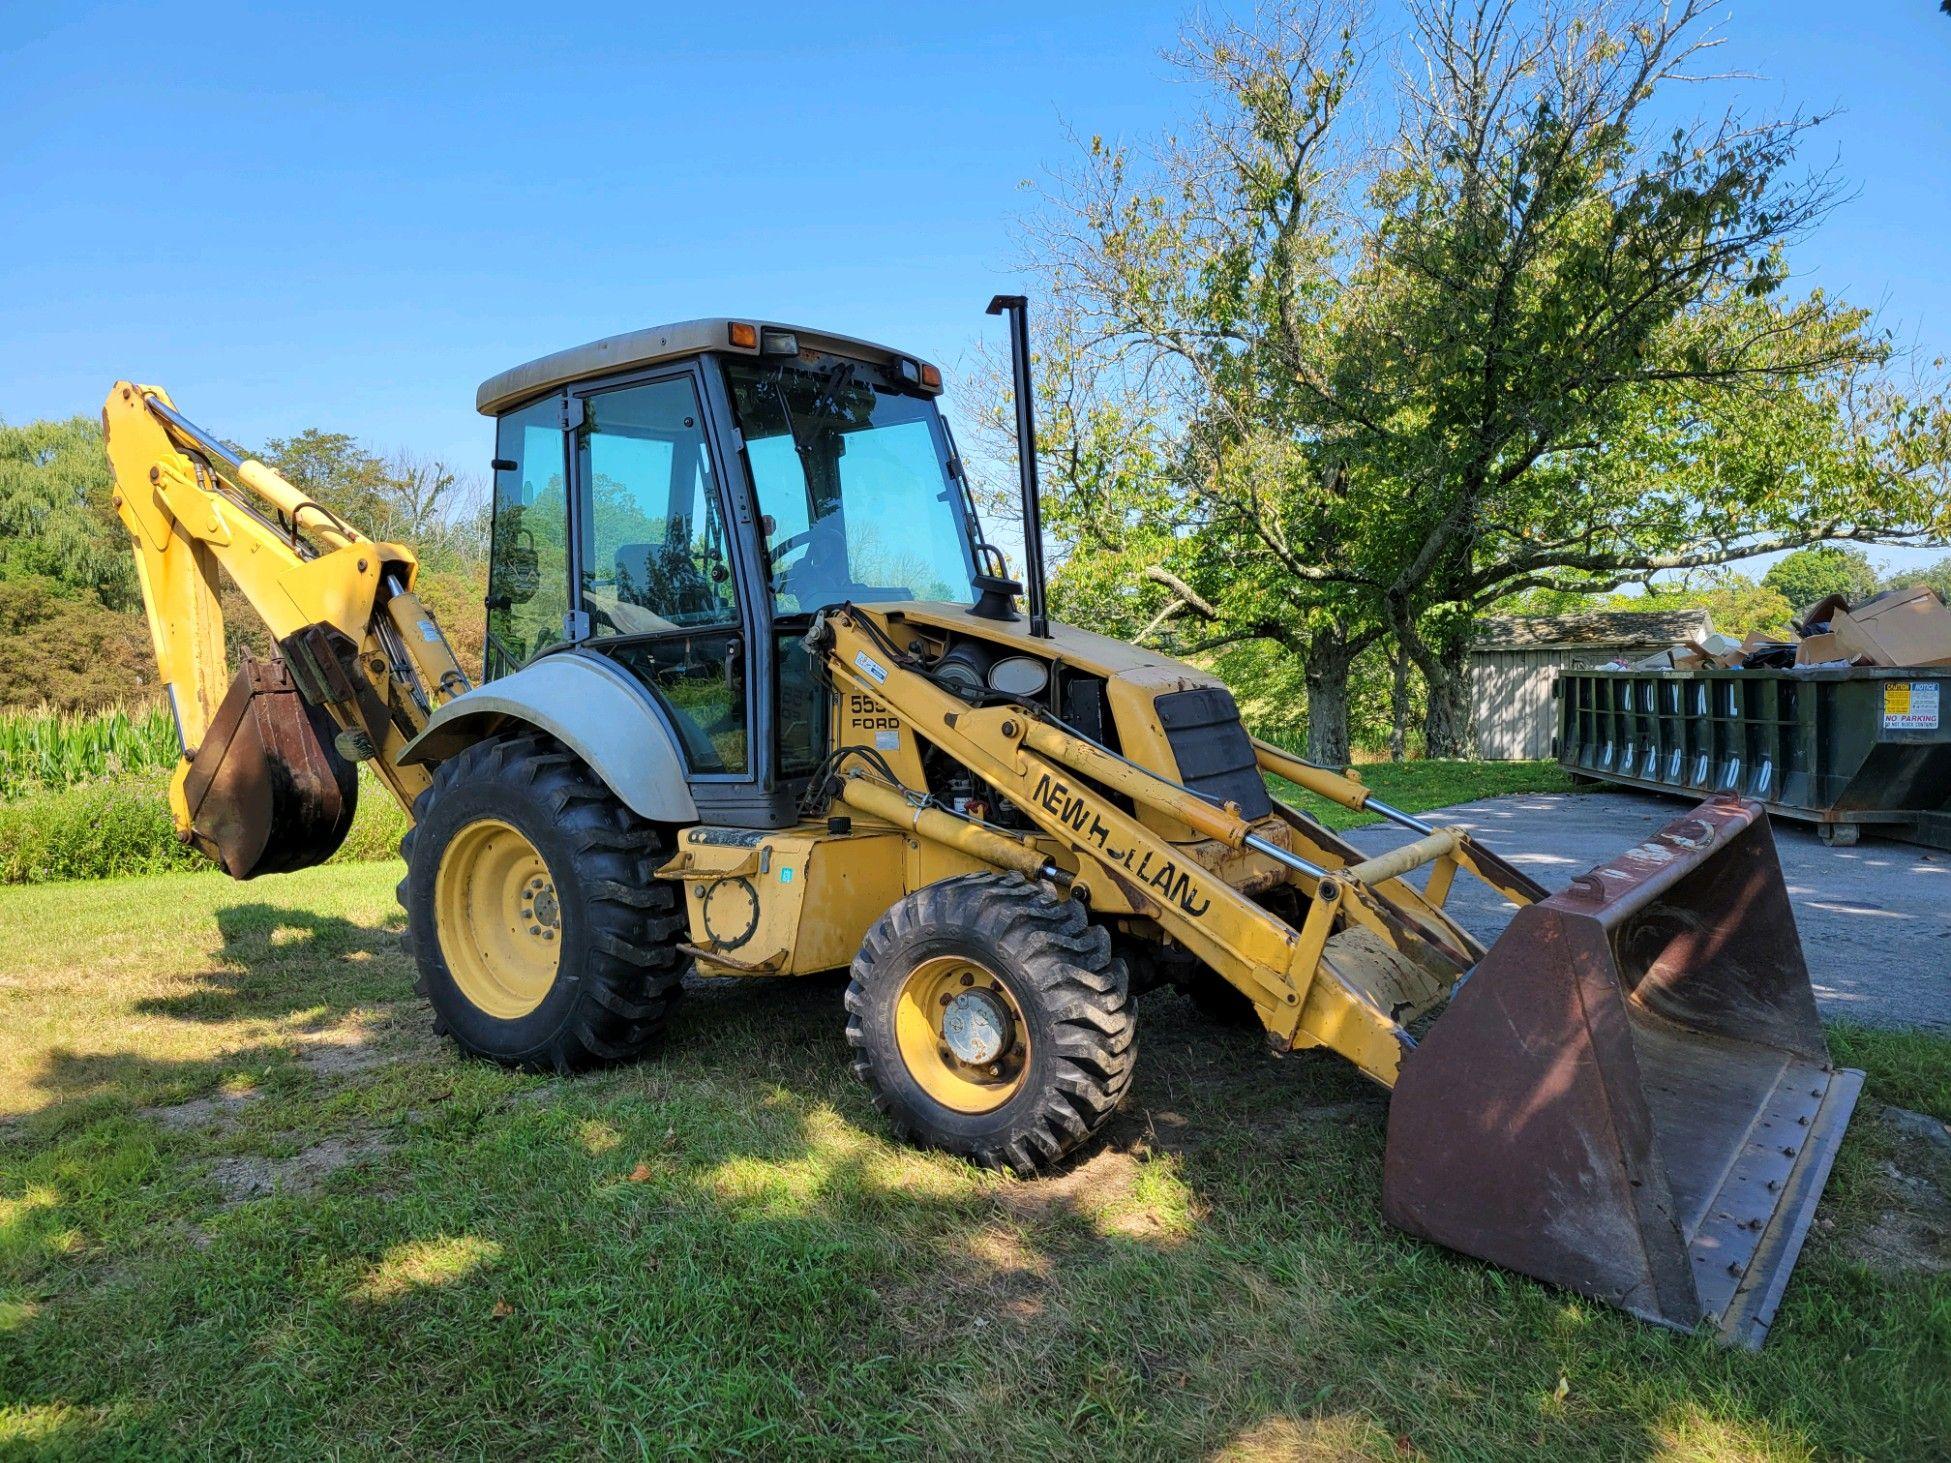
pixel 1431 333
pixel 57 516
pixel 1937 575
pixel 1809 575
pixel 416 501
pixel 1734 602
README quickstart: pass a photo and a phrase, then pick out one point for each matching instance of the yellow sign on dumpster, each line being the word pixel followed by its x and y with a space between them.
pixel 1910 705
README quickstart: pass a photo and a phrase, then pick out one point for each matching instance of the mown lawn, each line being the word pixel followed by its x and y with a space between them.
pixel 247 1203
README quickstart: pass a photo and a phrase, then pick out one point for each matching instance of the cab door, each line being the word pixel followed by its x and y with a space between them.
pixel 654 567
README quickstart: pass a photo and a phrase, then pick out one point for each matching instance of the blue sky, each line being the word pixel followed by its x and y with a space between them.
pixel 347 217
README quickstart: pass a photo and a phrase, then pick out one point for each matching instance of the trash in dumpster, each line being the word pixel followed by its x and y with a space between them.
pixel 1901 627
pixel 1819 649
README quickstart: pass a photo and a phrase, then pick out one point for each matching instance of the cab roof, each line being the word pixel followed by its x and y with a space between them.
pixel 653 345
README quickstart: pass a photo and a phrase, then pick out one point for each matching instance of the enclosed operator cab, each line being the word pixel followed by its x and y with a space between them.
pixel 682 499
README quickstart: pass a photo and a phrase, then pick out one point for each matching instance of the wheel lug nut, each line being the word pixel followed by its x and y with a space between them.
pixel 947 998
pixel 967 979
pixel 535 929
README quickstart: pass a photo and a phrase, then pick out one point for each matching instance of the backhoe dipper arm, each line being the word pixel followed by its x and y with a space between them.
pixel 362 663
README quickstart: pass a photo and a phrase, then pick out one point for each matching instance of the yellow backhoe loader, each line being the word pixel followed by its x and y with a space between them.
pixel 761 700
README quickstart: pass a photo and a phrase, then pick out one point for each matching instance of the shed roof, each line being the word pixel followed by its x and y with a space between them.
pixel 1598 630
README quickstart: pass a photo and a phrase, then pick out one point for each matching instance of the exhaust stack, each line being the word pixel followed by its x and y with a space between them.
pixel 1017 307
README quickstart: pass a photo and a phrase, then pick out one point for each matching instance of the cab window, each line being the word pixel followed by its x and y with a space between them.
pixel 528 557
pixel 654 550
pixel 656 576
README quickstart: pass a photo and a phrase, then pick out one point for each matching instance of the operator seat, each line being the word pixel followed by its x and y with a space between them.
pixel 665 579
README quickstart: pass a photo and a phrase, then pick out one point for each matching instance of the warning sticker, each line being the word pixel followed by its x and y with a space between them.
pixel 1910 705
pixel 877 672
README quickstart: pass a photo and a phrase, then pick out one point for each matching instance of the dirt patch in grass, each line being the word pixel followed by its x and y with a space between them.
pixel 369 1037
pixel 253 1177
pixel 1911 1234
pixel 1006 1279
pixel 216 1115
pixel 1099 1181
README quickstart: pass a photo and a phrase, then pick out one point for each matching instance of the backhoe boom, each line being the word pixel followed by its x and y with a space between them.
pixel 266 780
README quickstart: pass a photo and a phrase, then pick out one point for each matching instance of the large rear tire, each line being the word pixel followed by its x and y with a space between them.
pixel 992 1020
pixel 542 937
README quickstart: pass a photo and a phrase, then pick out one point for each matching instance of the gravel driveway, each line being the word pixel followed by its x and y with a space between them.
pixel 1875 919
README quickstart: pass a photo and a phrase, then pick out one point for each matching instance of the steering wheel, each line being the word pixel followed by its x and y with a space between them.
pixel 786 545
pixel 822 568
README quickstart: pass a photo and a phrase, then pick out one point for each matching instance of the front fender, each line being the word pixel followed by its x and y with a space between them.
pixel 589 705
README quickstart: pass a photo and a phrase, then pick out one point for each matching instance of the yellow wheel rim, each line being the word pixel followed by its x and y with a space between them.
pixel 499 923
pixel 962 1035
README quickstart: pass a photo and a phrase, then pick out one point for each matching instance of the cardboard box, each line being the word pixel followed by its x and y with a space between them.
pixel 1817 650
pixel 1904 627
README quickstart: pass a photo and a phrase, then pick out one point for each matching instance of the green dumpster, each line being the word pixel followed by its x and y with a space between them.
pixel 1845 748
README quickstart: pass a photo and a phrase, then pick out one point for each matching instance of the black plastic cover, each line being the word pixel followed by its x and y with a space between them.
pixel 1214 753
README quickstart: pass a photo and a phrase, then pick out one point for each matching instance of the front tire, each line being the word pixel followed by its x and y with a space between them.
pixel 542 937
pixel 992 1020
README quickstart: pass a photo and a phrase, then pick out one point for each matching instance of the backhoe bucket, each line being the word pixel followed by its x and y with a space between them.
pixel 266 789
pixel 1630 1095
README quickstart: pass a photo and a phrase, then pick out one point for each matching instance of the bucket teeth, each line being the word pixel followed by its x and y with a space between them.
pixel 1632 1096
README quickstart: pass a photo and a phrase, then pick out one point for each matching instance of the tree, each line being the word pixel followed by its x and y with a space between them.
pixel 1937 575
pixel 332 469
pixel 69 651
pixel 407 499
pixel 1529 337
pixel 57 513
pixel 1809 575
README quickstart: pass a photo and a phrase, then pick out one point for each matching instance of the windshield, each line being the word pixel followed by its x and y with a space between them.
pixel 853 487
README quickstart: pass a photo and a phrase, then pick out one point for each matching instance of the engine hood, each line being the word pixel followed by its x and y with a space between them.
pixel 1115 660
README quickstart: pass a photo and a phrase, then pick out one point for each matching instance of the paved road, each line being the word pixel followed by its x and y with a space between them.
pixel 1875 919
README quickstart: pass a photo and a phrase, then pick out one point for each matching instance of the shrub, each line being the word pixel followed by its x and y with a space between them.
pixel 72 653
pixel 108 829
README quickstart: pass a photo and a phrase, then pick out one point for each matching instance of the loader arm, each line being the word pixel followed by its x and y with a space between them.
pixel 265 782
pixel 1304 994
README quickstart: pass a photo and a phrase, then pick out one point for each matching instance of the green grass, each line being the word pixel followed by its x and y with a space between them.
pixel 722 1252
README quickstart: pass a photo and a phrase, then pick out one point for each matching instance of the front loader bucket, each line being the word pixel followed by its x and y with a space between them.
pixel 266 789
pixel 1630 1095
